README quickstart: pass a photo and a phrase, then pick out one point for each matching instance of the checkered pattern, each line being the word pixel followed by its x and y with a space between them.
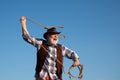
pixel 50 64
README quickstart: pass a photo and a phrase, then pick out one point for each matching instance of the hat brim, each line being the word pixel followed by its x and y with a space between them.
pixel 45 34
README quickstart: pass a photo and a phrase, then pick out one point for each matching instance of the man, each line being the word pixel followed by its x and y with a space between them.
pixel 49 53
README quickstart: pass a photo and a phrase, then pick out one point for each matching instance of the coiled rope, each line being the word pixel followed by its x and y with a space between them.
pixel 80 67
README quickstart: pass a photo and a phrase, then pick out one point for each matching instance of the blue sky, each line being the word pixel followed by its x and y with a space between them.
pixel 91 27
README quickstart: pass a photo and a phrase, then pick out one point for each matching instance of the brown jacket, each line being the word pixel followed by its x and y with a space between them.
pixel 42 54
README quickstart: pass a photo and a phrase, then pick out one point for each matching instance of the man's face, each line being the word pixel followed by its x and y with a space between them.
pixel 52 39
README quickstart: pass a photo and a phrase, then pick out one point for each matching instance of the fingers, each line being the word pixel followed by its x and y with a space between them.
pixel 23 19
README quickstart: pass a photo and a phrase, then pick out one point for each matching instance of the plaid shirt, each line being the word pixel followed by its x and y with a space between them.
pixel 50 64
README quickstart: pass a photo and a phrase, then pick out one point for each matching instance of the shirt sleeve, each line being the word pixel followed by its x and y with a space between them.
pixel 69 53
pixel 33 41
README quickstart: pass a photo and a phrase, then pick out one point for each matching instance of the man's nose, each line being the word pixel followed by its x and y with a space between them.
pixel 56 35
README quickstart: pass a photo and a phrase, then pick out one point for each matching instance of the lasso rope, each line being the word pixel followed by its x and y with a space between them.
pixel 80 66
pixel 41 25
pixel 61 36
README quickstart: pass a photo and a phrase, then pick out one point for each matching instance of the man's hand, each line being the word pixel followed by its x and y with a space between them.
pixel 76 63
pixel 23 20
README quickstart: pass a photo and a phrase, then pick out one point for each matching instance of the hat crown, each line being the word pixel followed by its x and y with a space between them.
pixel 51 30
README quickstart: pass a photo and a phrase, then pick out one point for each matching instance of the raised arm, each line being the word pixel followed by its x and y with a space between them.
pixel 23 23
pixel 26 36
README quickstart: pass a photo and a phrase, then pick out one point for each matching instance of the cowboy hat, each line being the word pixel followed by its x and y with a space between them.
pixel 51 31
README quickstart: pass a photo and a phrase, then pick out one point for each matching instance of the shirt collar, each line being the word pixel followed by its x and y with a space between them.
pixel 50 45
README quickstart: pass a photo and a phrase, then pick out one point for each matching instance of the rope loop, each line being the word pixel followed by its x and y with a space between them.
pixel 80 67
